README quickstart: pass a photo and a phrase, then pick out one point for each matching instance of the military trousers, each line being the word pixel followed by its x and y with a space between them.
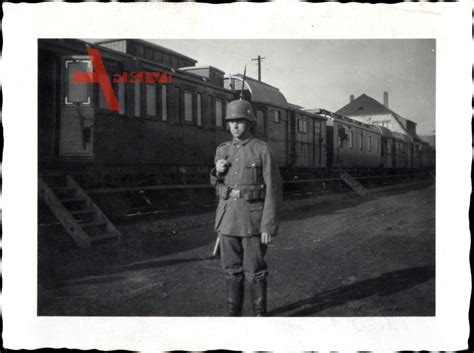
pixel 243 257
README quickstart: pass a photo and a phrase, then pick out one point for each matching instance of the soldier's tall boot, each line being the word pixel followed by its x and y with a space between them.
pixel 235 296
pixel 258 293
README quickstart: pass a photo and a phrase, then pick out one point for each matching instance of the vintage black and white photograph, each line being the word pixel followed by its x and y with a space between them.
pixel 236 177
pixel 293 178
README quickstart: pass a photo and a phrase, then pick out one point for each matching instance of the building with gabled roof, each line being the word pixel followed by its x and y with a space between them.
pixel 368 110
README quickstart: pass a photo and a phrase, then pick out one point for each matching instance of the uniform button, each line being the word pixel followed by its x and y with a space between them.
pixel 235 199
pixel 253 164
pixel 238 146
pixel 236 159
pixel 236 173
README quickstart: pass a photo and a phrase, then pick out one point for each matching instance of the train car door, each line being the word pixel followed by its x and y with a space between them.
pixel 76 114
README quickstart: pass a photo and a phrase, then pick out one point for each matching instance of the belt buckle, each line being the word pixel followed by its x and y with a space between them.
pixel 235 193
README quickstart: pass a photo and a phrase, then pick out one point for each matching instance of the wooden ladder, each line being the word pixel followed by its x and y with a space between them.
pixel 354 184
pixel 78 214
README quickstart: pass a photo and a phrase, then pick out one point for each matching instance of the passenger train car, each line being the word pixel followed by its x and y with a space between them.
pixel 161 132
pixel 297 137
pixel 166 133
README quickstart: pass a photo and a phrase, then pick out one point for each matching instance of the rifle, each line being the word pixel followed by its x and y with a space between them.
pixel 243 84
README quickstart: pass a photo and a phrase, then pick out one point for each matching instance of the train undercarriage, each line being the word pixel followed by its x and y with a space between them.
pixel 123 191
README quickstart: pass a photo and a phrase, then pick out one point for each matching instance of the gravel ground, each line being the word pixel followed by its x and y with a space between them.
pixel 335 256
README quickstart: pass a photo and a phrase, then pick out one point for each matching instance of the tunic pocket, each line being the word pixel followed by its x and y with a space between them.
pixel 253 172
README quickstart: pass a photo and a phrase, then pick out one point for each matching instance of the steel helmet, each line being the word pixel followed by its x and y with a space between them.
pixel 240 109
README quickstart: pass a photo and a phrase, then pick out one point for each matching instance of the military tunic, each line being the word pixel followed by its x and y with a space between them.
pixel 253 174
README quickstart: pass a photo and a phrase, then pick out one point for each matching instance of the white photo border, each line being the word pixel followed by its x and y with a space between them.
pixel 448 23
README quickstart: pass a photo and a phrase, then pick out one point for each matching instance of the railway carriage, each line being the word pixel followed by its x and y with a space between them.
pixel 427 156
pixel 297 137
pixel 164 132
pixel 387 155
pixel 270 109
pixel 161 132
pixel 402 150
pixel 351 145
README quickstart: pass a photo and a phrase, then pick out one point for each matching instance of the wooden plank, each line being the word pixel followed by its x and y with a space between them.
pixel 354 184
pixel 99 215
pixel 63 215
pixel 92 224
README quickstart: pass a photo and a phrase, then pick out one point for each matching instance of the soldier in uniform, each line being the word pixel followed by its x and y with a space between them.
pixel 248 183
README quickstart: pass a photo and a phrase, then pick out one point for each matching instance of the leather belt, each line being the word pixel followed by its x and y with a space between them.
pixel 250 194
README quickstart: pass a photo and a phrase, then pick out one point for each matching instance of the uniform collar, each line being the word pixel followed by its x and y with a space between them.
pixel 243 142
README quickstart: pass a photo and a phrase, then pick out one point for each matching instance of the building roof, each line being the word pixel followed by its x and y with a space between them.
pixel 365 105
pixel 262 92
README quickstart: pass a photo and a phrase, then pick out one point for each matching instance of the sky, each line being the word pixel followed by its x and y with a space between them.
pixel 324 73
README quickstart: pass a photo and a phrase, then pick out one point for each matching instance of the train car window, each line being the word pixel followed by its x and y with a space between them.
pixel 174 61
pixel 351 139
pixel 151 100
pixel 361 141
pixel 77 93
pixel 376 145
pixel 218 112
pixel 166 59
pixel 370 143
pixel 317 127
pixel 302 125
pixel 260 131
pixel 210 112
pixel 188 106
pixel 164 103
pixel 119 89
pixel 102 101
pixel 137 99
pixel 121 97
pixel 277 116
pixel 158 56
pixel 199 109
pixel 148 54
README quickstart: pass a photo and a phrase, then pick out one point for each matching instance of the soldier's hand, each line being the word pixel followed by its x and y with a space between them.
pixel 221 166
pixel 266 238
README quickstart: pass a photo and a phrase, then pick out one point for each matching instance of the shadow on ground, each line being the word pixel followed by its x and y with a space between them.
pixel 386 284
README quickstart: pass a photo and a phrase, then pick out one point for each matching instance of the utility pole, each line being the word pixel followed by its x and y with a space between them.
pixel 259 59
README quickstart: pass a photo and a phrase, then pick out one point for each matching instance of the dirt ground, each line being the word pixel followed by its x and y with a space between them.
pixel 372 256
